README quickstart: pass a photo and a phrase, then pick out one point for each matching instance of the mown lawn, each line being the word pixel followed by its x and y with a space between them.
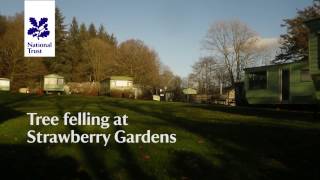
pixel 213 142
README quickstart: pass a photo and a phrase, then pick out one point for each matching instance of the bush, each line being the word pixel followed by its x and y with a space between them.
pixel 86 88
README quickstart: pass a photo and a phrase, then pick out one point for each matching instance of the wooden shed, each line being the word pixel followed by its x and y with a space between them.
pixel 53 83
pixel 4 84
pixel 117 86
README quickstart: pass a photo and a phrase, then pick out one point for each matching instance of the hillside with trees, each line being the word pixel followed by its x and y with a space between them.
pixel 84 53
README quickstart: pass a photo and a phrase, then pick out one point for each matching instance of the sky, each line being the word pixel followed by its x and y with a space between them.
pixel 173 28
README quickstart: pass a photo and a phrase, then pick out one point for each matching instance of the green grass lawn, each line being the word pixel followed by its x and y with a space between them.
pixel 213 142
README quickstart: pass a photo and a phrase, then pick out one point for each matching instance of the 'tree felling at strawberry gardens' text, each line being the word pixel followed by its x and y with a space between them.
pixel 73 135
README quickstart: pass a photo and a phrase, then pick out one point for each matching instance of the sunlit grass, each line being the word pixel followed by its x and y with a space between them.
pixel 213 142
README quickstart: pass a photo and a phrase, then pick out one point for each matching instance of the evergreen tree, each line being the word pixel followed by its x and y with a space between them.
pixel 92 31
pixel 103 34
pixel 83 32
pixel 3 25
pixel 74 50
pixel 74 30
pixel 113 40
pixel 60 63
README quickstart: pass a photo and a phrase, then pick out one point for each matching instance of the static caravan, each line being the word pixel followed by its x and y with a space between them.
pixel 4 84
pixel 117 86
pixel 291 83
pixel 53 83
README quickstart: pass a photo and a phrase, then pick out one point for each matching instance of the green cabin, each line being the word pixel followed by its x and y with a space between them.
pixel 290 83
pixel 117 86
pixel 53 83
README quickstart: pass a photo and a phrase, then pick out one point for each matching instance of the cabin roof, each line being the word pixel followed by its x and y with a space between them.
pixel 119 78
pixel 189 91
pixel 6 79
pixel 272 66
pixel 313 24
pixel 53 76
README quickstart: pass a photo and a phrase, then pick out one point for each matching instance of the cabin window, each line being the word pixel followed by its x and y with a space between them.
pixel 4 83
pixel 121 83
pixel 258 80
pixel 50 81
pixel 60 81
pixel 305 75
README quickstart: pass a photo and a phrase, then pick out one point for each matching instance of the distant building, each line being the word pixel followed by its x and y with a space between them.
pixel 53 83
pixel 117 86
pixel 189 93
pixel 230 96
pixel 4 84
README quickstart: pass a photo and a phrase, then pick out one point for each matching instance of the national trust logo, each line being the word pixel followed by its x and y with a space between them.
pixel 39 29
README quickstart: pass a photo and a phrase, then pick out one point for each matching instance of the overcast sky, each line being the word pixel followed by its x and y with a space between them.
pixel 174 28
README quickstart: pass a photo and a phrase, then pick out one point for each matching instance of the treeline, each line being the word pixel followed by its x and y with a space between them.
pixel 83 54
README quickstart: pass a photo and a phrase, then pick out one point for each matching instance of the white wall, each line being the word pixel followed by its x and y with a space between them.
pixel 4 84
pixel 53 81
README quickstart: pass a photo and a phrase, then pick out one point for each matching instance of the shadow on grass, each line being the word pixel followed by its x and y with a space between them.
pixel 250 151
pixel 12 98
pixel 131 164
pixel 189 165
pixel 262 112
pixel 7 113
pixel 31 162
pixel 92 159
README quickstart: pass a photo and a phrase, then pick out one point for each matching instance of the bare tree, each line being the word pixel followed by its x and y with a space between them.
pixel 168 80
pixel 203 74
pixel 100 56
pixel 230 42
pixel 264 51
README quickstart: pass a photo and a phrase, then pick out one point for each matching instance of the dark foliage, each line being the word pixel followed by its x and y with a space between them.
pixel 294 45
